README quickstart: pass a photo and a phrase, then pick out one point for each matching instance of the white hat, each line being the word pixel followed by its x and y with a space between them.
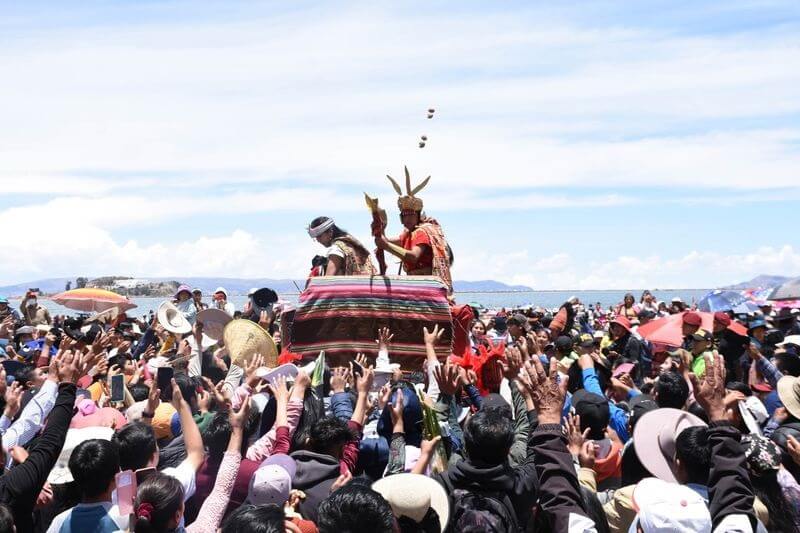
pixel 213 321
pixel 289 371
pixel 222 290
pixel 669 508
pixel 412 495
pixel 172 319
pixel 790 339
pixel 60 473
pixel 677 300
pixel 272 481
pixel 206 341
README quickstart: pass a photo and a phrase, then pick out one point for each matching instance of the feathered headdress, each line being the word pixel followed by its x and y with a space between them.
pixel 408 202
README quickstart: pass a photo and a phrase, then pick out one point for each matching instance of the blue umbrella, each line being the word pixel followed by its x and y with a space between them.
pixel 746 308
pixel 720 301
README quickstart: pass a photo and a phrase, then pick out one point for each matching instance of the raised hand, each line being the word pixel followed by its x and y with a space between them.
pixel 250 376
pixel 385 337
pixel 177 396
pixel 13 395
pixel 433 336
pixel 364 382
pixel 278 389
pixel 575 438
pixel 545 390
pixel 340 377
pixel 238 419
pixel 512 363
pixel 710 392
pixel 397 411
pixel 447 377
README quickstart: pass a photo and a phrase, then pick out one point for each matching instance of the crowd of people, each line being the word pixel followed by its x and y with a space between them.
pixel 551 420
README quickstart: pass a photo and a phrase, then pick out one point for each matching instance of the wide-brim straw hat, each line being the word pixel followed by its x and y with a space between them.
pixel 172 319
pixel 244 339
pixel 214 322
pixel 789 394
pixel 412 495
pixel 655 435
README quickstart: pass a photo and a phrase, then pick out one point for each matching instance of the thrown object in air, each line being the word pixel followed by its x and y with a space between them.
pixel 424 137
pixel 422 145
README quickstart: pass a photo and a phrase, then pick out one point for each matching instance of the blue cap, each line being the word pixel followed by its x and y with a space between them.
pixel 757 323
pixel 3 299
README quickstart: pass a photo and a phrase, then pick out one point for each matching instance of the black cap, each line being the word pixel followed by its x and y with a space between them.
pixel 495 401
pixel 641 404
pixel 594 412
pixel 646 313
pixel 563 343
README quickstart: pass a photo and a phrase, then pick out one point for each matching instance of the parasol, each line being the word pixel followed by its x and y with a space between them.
pixel 92 300
pixel 667 330
pixel 789 290
pixel 720 300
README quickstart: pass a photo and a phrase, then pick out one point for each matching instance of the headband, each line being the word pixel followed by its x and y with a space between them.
pixel 319 230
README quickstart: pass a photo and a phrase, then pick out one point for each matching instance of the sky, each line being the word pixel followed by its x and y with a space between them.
pixel 575 145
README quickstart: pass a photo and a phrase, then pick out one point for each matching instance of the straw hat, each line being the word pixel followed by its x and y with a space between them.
pixel 214 322
pixel 245 338
pixel 789 393
pixel 172 319
pixel 412 495
pixel 655 435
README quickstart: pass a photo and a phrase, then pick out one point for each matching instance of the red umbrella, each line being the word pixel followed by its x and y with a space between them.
pixel 92 300
pixel 667 330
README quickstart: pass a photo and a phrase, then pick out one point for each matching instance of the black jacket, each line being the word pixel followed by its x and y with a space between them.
pixel 21 485
pixel 730 491
pixel 316 472
pixel 519 483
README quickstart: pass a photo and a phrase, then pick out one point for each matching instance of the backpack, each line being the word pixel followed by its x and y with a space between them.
pixel 480 511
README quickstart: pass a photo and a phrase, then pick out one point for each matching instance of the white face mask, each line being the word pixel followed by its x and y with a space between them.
pixel 32 302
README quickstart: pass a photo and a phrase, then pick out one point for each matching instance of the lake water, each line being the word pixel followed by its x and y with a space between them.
pixel 548 299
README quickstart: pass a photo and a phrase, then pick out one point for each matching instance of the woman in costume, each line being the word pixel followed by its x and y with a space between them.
pixel 346 255
pixel 421 246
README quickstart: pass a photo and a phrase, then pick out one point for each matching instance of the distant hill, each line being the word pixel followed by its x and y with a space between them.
pixel 235 285
pixel 762 280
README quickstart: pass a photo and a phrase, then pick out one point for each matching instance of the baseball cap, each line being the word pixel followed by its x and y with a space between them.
pixel 593 410
pixel 520 320
pixel 585 340
pixel 693 319
pixel 3 299
pixel 702 335
pixel 646 313
pixel 669 507
pixel 272 482
pixel 641 404
pixel 563 343
pixel 790 340
pixel 622 321
pixel 757 322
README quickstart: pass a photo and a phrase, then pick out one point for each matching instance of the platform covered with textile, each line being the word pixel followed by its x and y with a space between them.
pixel 342 315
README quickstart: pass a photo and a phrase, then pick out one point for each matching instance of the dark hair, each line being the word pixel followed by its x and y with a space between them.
pixel 119 360
pixel 319 260
pixel 789 364
pixel 165 494
pixel 697 410
pixel 632 469
pixel 645 293
pixel 739 387
pixel 575 374
pixel 137 444
pixel 647 388
pixel 671 390
pixel 216 435
pixel 139 391
pixel 313 412
pixel 782 513
pixel 694 452
pixel 24 374
pixel 353 509
pixel 328 434
pixel 266 518
pixel 6 519
pixel 488 436
pixel 337 231
pixel 188 387
pixel 93 464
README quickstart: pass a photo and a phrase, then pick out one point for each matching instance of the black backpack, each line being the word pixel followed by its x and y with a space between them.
pixel 482 511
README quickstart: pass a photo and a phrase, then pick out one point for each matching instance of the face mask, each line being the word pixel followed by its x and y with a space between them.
pixel 32 303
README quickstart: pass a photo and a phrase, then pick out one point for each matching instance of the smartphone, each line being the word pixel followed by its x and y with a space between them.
pixel 117 388
pixel 164 380
pixel 126 491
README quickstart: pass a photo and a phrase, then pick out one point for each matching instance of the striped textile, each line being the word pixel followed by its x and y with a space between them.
pixel 342 315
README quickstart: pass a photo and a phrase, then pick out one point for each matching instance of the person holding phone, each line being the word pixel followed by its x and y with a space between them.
pixel 33 313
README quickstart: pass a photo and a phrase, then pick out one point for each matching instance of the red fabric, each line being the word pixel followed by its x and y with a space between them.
pixel 350 453
pixel 207 475
pixel 417 238
pixel 611 465
pixel 486 368
pixel 288 357
pixel 282 440
pixel 559 321
pixel 622 321
pixel 462 318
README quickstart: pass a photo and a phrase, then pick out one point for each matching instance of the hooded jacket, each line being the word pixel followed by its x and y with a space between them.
pixel 315 474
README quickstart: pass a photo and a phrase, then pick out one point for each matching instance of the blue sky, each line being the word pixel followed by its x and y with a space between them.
pixel 575 145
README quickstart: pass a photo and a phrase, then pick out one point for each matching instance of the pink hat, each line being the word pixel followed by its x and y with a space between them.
pixel 655 436
pixel 622 321
pixel 272 482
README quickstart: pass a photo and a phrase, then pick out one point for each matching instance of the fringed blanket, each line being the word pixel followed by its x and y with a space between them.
pixel 342 315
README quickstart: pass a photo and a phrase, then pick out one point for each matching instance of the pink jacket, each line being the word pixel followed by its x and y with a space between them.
pixel 213 509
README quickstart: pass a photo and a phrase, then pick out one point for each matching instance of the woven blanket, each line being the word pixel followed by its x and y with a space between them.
pixel 342 315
